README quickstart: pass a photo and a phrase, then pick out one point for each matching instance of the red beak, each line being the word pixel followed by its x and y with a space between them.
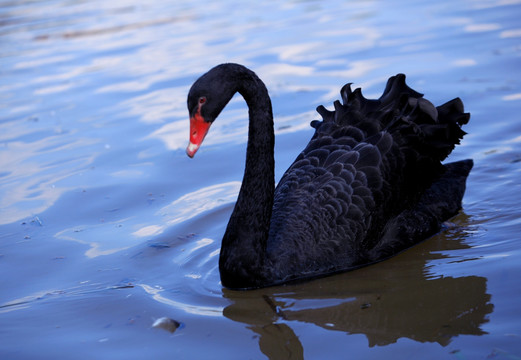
pixel 198 130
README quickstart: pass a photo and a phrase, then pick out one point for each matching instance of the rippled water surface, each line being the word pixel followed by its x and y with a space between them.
pixel 106 226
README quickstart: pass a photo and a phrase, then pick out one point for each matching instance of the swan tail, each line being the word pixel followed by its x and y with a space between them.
pixel 441 201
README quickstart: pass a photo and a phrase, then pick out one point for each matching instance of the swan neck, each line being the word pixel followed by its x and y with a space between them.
pixel 244 243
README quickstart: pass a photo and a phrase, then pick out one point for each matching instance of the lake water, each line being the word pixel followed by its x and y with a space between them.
pixel 107 226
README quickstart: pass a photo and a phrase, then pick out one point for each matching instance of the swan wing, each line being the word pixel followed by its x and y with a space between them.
pixel 369 162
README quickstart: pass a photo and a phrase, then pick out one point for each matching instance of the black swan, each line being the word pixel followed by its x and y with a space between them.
pixel 369 184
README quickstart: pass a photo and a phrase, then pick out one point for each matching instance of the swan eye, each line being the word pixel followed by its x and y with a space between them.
pixel 202 100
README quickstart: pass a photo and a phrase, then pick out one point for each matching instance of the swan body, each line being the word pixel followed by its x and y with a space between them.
pixel 369 184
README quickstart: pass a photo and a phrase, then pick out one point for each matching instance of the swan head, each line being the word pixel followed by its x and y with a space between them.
pixel 206 99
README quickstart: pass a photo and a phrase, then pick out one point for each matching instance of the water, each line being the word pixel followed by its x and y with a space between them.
pixel 106 225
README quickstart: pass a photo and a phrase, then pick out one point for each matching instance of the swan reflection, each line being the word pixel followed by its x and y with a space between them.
pixel 398 298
